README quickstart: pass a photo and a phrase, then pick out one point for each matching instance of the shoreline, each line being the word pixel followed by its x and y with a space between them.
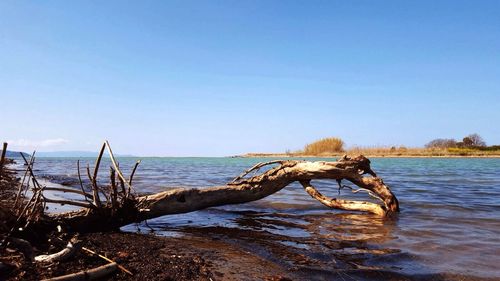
pixel 219 252
pixel 366 155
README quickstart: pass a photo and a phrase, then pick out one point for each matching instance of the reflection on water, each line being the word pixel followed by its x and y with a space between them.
pixel 304 241
pixel 449 224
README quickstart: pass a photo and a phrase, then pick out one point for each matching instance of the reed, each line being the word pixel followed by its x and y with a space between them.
pixel 324 146
pixel 420 151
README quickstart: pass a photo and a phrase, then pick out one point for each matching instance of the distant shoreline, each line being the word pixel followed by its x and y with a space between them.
pixel 283 155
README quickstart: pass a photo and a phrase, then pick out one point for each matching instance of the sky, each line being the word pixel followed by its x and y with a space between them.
pixel 218 78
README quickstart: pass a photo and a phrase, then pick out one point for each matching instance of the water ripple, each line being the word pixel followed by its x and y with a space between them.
pixel 449 223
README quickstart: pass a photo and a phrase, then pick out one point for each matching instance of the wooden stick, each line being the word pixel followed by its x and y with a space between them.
pixel 108 259
pixel 68 252
pixel 336 203
pixel 21 184
pixel 19 216
pixel 98 161
pixel 132 177
pixel 113 193
pixel 133 171
pixel 2 158
pixel 116 165
pixel 68 190
pixel 91 274
pixel 30 170
pixel 255 167
pixel 38 191
pixel 68 202
pixel 94 178
pixel 122 186
pixel 36 185
pixel 81 182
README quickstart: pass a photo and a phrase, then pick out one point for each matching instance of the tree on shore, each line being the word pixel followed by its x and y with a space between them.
pixel 473 140
pixel 470 141
pixel 441 143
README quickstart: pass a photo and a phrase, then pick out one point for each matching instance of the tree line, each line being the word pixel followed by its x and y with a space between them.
pixel 470 141
pixel 335 145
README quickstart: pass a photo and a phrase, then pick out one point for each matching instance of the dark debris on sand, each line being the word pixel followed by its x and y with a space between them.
pixel 147 257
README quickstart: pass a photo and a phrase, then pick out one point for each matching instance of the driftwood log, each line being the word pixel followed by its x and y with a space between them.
pixel 68 252
pixel 92 274
pixel 122 206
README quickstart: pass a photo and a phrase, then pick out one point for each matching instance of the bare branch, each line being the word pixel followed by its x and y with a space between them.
pixel 131 178
pixel 113 191
pixel 98 162
pixel 21 184
pixel 95 189
pixel 256 167
pixel 2 158
pixel 107 259
pixel 71 249
pixel 342 204
pixel 113 160
pixel 91 274
pixel 81 182
pixel 86 195
pixel 69 202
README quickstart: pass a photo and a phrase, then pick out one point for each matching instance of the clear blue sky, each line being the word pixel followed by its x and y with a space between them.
pixel 214 78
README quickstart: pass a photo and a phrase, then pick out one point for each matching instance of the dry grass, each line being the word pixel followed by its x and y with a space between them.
pixel 333 147
pixel 393 151
pixel 324 146
pixel 419 152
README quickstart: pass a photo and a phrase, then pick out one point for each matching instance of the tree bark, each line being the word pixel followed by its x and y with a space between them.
pixel 243 190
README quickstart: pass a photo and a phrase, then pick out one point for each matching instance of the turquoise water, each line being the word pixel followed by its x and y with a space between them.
pixel 449 221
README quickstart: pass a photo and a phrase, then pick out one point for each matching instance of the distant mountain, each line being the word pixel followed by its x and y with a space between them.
pixel 75 154
pixel 11 154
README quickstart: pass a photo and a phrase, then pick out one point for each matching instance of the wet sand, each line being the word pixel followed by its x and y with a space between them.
pixel 151 257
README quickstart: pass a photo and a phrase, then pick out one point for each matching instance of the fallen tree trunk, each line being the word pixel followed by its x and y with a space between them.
pixel 240 190
pixel 258 187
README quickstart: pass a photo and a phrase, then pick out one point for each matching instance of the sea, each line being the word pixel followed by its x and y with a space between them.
pixel 448 227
